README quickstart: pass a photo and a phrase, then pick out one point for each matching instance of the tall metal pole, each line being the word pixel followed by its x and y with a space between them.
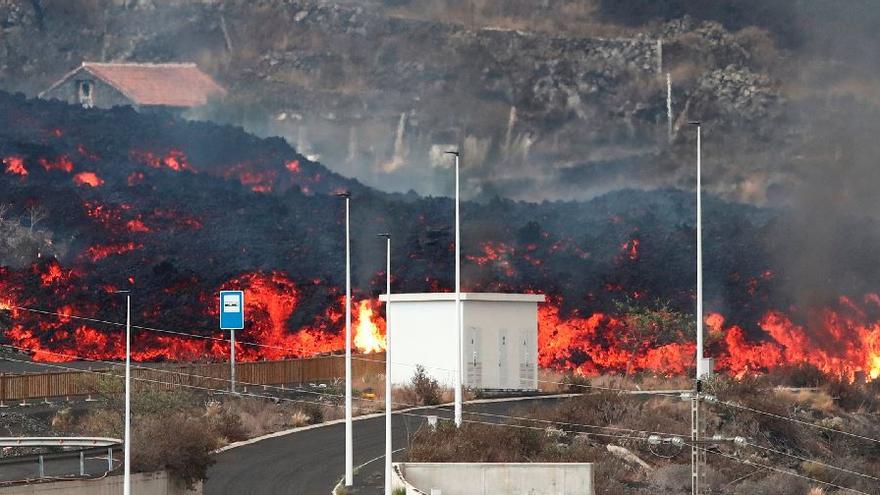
pixel 695 400
pixel 458 314
pixel 387 363
pixel 669 107
pixel 126 486
pixel 700 363
pixel 349 455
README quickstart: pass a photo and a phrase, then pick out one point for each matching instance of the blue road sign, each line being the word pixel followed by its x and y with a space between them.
pixel 231 310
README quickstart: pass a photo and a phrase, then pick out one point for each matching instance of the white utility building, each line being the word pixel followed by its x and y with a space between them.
pixel 500 342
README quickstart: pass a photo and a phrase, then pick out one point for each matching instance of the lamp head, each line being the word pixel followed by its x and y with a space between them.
pixel 695 122
pixel 456 153
pixel 344 194
pixel 385 235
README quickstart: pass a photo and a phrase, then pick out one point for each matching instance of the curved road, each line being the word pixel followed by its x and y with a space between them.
pixel 311 462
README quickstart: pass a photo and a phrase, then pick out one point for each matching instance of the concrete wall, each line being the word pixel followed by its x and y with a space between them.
pixel 500 342
pixel 495 478
pixel 157 483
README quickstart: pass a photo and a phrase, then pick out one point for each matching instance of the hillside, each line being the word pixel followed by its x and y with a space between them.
pixel 97 201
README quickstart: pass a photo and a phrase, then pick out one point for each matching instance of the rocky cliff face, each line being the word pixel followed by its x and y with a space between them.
pixel 379 97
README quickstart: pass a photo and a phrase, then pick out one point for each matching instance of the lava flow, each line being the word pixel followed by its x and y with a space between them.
pixel 99 201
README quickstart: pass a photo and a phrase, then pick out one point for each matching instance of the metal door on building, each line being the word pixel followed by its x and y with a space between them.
pixel 473 358
pixel 527 359
pixel 503 355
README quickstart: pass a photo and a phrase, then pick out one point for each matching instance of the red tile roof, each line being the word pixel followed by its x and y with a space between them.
pixel 176 85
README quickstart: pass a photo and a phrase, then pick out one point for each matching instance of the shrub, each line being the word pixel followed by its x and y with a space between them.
pixel 185 453
pixel 774 484
pixel 474 442
pixel 797 375
pixel 426 388
pixel 226 425
pixel 853 397
pixel 299 418
pixel 576 383
pixel 314 412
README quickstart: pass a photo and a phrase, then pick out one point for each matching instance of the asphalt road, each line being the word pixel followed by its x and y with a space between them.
pixel 311 462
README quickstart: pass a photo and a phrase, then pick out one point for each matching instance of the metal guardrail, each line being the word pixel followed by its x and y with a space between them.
pixel 58 441
pixel 90 446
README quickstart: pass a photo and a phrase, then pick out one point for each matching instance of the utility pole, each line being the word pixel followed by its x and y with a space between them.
pixel 695 439
pixel 349 455
pixel 458 315
pixel 388 449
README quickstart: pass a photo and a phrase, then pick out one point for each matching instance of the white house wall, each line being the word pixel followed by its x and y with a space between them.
pixel 423 333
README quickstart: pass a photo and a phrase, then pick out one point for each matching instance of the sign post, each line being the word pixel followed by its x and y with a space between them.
pixel 232 319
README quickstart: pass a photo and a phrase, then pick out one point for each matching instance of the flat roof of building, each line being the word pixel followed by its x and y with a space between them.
pixel 465 296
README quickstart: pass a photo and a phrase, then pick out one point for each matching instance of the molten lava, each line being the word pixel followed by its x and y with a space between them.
pixel 261 181
pixel 88 179
pixel 61 163
pixel 173 159
pixel 497 254
pixel 15 165
pixel 600 343
pixel 97 253
pixel 631 249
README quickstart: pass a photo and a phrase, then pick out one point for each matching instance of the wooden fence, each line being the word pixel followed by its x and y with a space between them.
pixel 26 386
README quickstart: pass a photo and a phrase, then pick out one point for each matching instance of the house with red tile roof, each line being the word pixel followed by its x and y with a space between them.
pixel 179 86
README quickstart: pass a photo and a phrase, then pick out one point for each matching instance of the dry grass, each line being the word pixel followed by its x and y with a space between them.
pixel 555 381
pixel 572 443
pixel 819 400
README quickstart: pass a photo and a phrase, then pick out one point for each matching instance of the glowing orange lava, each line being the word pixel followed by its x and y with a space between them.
pixel 88 179
pixel 97 253
pixel 61 163
pixel 15 165
pixel 173 159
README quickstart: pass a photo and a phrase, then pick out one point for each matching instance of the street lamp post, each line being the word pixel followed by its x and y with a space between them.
pixel 349 455
pixel 387 363
pixel 126 480
pixel 458 316
pixel 700 358
pixel 701 371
